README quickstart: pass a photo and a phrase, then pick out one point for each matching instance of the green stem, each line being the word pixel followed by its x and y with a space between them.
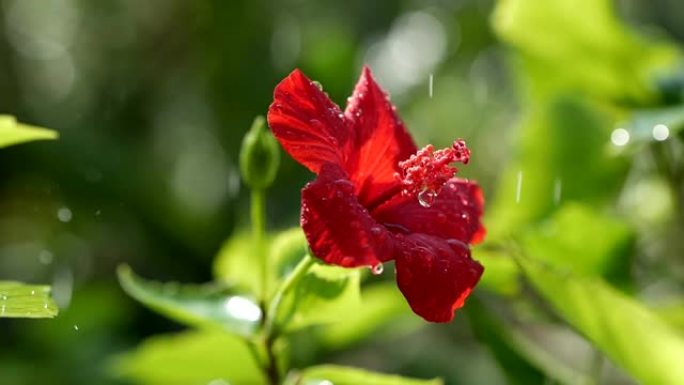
pixel 271 333
pixel 294 277
pixel 258 217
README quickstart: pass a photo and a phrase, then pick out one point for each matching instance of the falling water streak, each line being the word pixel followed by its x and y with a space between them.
pixel 518 187
pixel 557 191
pixel 430 82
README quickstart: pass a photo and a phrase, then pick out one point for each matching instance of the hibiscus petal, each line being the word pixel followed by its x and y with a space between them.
pixel 309 126
pixel 381 140
pixel 435 275
pixel 456 213
pixel 338 228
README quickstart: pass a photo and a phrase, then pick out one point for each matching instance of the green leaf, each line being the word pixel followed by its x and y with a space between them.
pixel 516 361
pixel 235 263
pixel 211 305
pixel 341 375
pixel 672 313
pixel 12 133
pixel 286 250
pixel 501 271
pixel 383 311
pixel 189 358
pixel 631 335
pixel 324 294
pixel 569 240
pixel 20 300
pixel 582 45
pixel 564 149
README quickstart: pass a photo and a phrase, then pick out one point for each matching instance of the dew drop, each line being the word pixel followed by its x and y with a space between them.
pixel 317 85
pixel 377 269
pixel 427 197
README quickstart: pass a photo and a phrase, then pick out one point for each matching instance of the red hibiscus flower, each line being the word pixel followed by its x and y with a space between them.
pixel 377 197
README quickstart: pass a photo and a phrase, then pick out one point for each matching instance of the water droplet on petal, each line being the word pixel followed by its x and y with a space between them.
pixel 376 230
pixel 377 269
pixel 427 197
pixel 317 85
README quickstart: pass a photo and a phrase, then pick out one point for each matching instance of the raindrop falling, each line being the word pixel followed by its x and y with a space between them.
pixel 518 187
pixel 76 327
pixel 377 269
pixel 430 85
pixel 557 191
pixel 427 197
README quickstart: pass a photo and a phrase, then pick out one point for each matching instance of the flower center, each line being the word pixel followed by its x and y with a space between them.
pixel 425 172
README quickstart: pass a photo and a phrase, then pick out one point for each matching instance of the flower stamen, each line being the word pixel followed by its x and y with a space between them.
pixel 425 172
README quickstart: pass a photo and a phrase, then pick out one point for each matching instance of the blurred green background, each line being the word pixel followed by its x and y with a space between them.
pixel 152 98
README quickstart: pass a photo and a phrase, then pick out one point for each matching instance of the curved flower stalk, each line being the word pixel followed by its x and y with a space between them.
pixel 377 197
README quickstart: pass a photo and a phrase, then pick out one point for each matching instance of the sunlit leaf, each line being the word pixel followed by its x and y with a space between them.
pixel 236 264
pixel 564 151
pixel 673 313
pixel 341 375
pixel 324 294
pixel 20 300
pixel 583 241
pixel 12 132
pixel 286 250
pixel 502 271
pixel 631 335
pixel 582 45
pixel 196 305
pixel 189 358
pixel 383 311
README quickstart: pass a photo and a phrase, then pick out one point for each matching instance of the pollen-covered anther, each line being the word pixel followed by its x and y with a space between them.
pixel 429 170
